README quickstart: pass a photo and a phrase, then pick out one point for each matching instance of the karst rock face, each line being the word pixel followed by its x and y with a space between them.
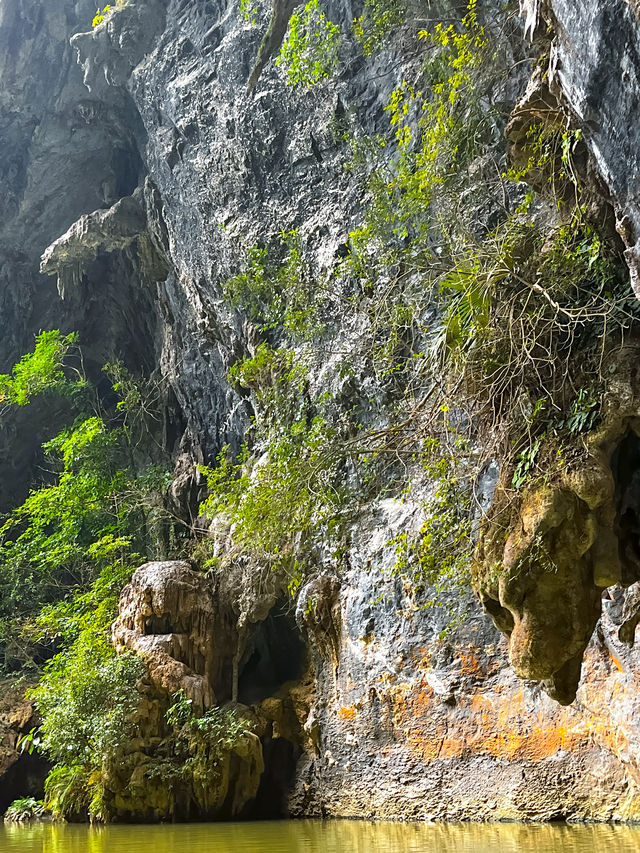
pixel 167 615
pixel 133 159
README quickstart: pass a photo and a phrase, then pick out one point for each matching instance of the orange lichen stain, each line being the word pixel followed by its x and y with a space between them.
pixel 452 747
pixel 486 724
pixel 501 722
pixel 616 662
pixel 427 748
pixel 469 664
pixel 347 713
pixel 479 702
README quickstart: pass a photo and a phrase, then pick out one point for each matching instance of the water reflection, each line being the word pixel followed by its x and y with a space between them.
pixel 319 837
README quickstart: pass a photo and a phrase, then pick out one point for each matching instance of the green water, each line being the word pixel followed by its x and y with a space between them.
pixel 319 837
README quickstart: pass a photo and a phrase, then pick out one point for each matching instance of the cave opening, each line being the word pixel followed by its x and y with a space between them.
pixel 155 624
pixel 25 778
pixel 274 655
pixel 625 466
pixel 280 759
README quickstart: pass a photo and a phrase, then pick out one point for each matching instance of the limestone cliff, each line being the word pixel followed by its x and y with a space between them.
pixel 139 170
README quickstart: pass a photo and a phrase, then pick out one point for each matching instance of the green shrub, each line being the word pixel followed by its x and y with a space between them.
pixel 278 379
pixel 87 698
pixel 309 52
pixel 278 502
pixel 41 371
pixel 87 524
pixel 278 294
pixel 201 742
pixel 92 519
pixel 66 792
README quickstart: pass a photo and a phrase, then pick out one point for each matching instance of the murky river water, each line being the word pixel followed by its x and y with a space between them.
pixel 319 837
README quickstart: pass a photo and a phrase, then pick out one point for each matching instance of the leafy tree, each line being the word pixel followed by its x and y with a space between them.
pixel 90 518
pixel 41 371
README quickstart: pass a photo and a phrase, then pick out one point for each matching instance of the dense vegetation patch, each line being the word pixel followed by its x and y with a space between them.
pixel 65 555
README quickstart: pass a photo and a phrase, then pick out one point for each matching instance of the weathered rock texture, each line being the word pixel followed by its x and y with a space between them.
pixel 135 175
pixel 188 637
pixel 22 773
pixel 406 725
pixel 167 616
pixel 410 727
pixel 545 559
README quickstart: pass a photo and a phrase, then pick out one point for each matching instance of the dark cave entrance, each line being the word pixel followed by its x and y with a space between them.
pixel 625 466
pixel 274 655
pixel 25 778
pixel 280 759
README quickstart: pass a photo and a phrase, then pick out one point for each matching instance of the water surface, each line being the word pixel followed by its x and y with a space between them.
pixel 319 837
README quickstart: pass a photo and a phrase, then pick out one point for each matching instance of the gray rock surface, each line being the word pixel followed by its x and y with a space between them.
pixel 65 153
pixel 594 62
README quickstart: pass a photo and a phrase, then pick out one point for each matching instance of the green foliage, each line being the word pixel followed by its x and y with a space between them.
pixel 480 292
pixel 249 11
pixel 517 308
pixel 64 534
pixel 516 301
pixel 437 558
pixel 277 378
pixel 77 536
pixel 87 695
pixel 277 502
pixel 554 428
pixel 525 464
pixel 278 294
pixel 285 488
pixel 40 371
pixel 89 698
pixel 202 741
pixel 468 290
pixel 103 14
pixel 546 160
pixel 100 15
pixel 86 698
pixel 309 53
pixel 584 411
pixel 414 219
pixel 378 20
pixel 437 130
pixel 24 808
pixel 67 792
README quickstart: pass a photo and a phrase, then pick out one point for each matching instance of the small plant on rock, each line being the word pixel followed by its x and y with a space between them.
pixel 103 14
pixel 24 808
